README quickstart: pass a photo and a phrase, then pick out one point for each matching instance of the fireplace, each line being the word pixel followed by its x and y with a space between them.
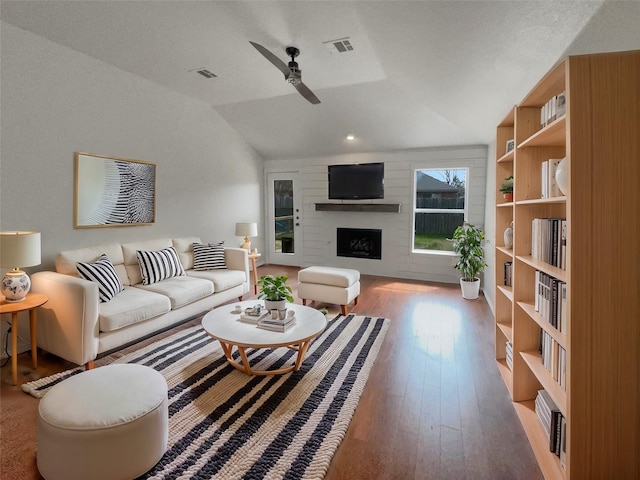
pixel 359 243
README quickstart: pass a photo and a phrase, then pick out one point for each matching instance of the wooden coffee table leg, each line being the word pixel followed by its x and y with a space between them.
pixel 302 351
pixel 227 348
pixel 245 361
pixel 245 367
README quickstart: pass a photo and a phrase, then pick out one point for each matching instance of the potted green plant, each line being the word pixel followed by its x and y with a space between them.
pixel 467 243
pixel 275 292
pixel 507 188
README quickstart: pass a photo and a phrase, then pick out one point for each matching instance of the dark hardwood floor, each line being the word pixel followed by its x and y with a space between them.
pixel 434 407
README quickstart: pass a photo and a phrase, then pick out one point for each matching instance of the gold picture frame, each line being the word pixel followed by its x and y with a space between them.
pixel 113 192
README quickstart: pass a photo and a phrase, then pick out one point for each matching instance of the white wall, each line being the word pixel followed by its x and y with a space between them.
pixel 489 282
pixel 56 101
pixel 319 228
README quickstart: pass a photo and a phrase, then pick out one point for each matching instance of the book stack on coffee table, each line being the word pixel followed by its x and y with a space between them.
pixel 277 324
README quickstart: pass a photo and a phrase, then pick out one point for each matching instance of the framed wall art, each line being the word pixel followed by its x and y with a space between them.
pixel 113 192
pixel 510 145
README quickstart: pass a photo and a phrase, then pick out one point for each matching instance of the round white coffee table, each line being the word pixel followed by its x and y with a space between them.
pixel 225 326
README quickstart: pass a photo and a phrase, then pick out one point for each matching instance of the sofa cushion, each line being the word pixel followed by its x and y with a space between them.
pixel 222 279
pixel 208 257
pixel 181 290
pixel 184 248
pixel 130 306
pixel 66 260
pixel 104 274
pixel 159 265
pixel 131 259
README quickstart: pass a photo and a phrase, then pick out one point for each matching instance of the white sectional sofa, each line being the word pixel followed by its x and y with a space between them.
pixel 75 325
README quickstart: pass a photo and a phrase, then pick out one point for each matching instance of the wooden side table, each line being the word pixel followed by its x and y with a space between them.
pixel 252 258
pixel 30 303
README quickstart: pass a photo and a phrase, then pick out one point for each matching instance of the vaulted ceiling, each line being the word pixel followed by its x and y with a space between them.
pixel 421 73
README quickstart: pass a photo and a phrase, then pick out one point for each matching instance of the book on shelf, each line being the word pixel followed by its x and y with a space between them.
pixel 563 442
pixel 547 240
pixel 555 108
pixel 555 241
pixel 543 412
pixel 547 351
pixel 552 316
pixel 508 268
pixel 552 421
pixel 562 367
pixel 563 244
pixel 550 298
pixel 561 104
pixel 562 311
pixel 552 186
pixel 553 358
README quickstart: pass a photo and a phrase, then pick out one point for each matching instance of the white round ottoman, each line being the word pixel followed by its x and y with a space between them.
pixel 339 286
pixel 109 423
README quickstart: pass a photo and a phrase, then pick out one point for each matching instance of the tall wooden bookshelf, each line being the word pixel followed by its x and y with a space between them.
pixel 600 136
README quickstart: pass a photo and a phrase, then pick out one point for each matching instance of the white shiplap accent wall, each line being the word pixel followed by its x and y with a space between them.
pixel 319 228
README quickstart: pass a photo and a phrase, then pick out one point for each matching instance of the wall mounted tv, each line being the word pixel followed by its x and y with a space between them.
pixel 358 181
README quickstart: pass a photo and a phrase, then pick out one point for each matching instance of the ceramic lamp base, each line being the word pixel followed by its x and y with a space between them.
pixel 15 286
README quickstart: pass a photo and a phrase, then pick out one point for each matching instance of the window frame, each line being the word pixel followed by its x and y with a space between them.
pixel 415 210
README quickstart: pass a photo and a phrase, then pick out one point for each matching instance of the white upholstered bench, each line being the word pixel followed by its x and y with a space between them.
pixel 103 424
pixel 339 286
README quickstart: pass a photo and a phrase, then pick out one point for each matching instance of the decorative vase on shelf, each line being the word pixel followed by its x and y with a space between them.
pixel 508 236
pixel 562 176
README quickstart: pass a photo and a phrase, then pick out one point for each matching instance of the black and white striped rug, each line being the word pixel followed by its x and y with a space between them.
pixel 226 425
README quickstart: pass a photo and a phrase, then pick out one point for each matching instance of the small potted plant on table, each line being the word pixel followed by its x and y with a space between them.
pixel 275 292
pixel 507 188
pixel 467 243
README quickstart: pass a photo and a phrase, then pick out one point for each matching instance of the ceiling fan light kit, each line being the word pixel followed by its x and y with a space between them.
pixel 291 71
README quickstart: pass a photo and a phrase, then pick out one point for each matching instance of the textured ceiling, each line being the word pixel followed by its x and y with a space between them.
pixel 423 73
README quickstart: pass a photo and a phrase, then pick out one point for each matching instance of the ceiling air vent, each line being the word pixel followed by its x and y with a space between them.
pixel 339 45
pixel 205 73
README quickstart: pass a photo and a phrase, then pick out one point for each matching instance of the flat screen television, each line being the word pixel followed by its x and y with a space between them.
pixel 358 181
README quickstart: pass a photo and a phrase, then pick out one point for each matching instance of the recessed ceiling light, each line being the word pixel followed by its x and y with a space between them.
pixel 350 137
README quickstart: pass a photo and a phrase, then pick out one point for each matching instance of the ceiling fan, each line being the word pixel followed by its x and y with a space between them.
pixel 292 73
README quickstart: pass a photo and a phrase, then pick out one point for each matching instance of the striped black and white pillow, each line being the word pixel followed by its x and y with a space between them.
pixel 208 257
pixel 159 265
pixel 104 274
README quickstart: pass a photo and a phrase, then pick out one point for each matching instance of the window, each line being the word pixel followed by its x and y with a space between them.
pixel 439 207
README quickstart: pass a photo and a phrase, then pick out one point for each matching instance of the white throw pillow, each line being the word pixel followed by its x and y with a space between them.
pixel 208 257
pixel 104 274
pixel 159 265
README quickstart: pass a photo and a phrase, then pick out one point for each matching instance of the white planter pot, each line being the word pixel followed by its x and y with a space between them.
pixel 275 304
pixel 470 290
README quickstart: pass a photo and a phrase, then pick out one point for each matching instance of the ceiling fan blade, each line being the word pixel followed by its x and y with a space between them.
pixel 306 93
pixel 272 58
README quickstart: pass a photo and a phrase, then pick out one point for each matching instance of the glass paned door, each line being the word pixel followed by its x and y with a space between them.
pixel 283 219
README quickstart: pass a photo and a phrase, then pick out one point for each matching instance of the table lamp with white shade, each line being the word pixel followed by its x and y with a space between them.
pixel 18 250
pixel 247 230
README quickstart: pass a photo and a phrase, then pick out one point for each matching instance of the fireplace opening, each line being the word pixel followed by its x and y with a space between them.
pixel 359 243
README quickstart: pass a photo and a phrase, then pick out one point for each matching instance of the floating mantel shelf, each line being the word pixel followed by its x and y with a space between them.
pixel 358 207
